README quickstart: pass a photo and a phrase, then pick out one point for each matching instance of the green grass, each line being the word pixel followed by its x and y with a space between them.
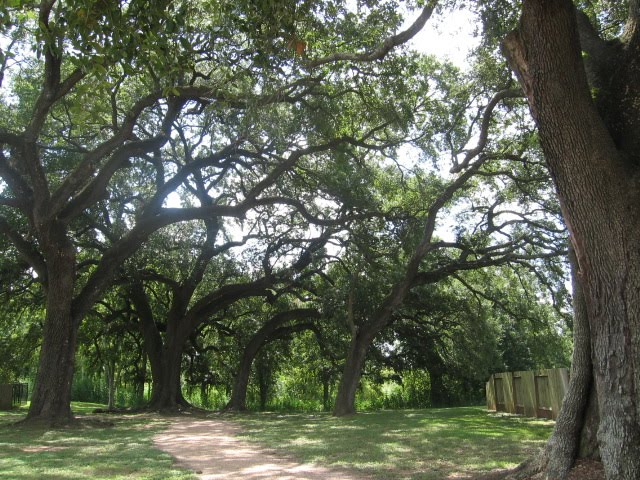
pixel 407 444
pixel 92 450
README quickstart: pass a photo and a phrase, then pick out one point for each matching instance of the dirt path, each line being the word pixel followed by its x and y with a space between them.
pixel 211 448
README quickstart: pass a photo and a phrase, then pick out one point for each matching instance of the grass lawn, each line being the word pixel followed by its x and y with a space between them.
pixel 408 444
pixel 98 451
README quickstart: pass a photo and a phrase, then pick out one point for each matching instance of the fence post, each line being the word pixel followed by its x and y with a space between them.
pixel 6 396
pixel 529 393
pixel 509 399
pixel 558 382
pixel 498 388
pixel 491 394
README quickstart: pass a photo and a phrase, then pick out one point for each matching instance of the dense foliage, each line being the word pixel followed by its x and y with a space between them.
pixel 193 188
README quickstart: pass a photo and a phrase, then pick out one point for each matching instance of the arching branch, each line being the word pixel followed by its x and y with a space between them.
pixel 25 248
pixel 384 48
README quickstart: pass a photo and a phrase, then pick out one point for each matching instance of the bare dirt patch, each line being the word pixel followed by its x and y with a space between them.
pixel 42 448
pixel 211 449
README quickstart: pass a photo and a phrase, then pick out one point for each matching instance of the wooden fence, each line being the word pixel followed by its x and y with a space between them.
pixel 532 394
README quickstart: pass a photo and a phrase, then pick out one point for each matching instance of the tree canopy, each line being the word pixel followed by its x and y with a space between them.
pixel 271 196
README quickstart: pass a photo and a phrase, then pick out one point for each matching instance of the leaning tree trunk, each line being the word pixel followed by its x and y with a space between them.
pixel 383 316
pixel 238 400
pixel 597 184
pixel 50 401
pixel 362 337
pixel 346 396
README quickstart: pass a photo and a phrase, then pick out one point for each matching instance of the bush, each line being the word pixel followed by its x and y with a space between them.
pixel 88 388
pixel 214 398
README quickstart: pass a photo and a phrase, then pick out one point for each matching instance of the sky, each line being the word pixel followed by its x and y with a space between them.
pixel 450 37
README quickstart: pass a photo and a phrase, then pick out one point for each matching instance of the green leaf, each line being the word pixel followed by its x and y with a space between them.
pixel 185 43
pixel 98 68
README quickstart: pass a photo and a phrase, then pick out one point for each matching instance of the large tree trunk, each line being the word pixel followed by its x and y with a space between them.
pixel 166 392
pixel 597 183
pixel 346 396
pixel 238 400
pixel 50 401
pixel 165 356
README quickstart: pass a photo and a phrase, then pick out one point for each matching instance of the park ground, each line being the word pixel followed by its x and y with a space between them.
pixel 460 443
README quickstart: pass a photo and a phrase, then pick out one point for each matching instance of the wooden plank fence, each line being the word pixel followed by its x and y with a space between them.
pixel 532 394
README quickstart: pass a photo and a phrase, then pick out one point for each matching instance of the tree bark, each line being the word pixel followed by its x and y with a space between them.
pixel 325 393
pixel 597 183
pixel 238 400
pixel 572 435
pixel 50 401
pixel 165 356
pixel 588 444
pixel 354 363
pixel 166 391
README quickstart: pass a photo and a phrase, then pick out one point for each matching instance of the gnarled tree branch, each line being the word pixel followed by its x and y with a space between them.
pixel 384 48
